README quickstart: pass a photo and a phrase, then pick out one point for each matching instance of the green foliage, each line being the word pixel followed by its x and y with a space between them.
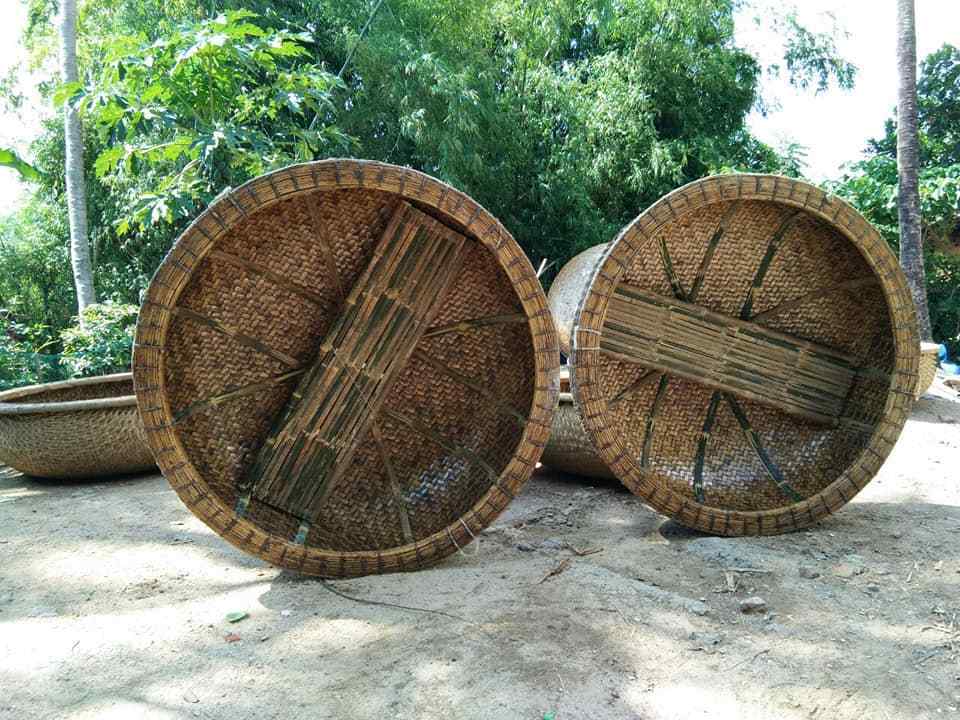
pixel 208 106
pixel 943 297
pixel 105 342
pixel 9 158
pixel 565 118
pixel 22 360
pixel 871 186
pixel 813 59
pixel 36 287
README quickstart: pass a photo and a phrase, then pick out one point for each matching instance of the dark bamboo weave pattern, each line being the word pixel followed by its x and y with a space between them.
pixel 745 354
pixel 346 368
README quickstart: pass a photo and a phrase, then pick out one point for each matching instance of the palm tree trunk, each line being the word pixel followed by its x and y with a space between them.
pixel 76 190
pixel 908 162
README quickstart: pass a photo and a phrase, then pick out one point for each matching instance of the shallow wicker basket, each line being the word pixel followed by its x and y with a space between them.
pixel 929 356
pixel 74 429
pixel 346 368
pixel 744 354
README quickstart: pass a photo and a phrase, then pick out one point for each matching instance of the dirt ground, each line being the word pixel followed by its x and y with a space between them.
pixel 113 604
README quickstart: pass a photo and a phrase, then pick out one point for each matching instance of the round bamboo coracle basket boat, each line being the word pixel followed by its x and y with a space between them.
pixel 929 355
pixel 744 354
pixel 346 368
pixel 74 429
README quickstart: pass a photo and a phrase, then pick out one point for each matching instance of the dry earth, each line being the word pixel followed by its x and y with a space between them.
pixel 113 600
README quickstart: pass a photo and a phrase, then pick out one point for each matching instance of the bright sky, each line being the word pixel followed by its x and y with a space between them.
pixel 834 125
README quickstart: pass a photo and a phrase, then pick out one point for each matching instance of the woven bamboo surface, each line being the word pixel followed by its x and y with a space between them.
pixel 74 429
pixel 806 276
pixel 569 448
pixel 567 291
pixel 346 368
pixel 929 357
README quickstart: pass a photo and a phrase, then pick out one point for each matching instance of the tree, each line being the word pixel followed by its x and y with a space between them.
pixel 872 187
pixel 908 164
pixel 73 141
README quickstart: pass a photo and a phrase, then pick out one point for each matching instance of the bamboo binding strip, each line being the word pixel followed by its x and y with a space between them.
pixel 346 368
pixel 744 354
pixel 73 429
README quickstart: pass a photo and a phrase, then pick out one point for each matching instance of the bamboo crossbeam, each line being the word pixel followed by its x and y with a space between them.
pixel 337 400
pixel 737 356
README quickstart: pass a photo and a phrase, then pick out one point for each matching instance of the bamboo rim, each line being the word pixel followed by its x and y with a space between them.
pixel 609 271
pixel 45 408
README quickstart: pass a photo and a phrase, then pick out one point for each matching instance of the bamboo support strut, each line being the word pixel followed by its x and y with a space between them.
pixel 395 488
pixel 465 325
pixel 236 392
pixel 740 357
pixel 820 294
pixel 338 399
pixel 487 393
pixel 754 439
pixel 276 279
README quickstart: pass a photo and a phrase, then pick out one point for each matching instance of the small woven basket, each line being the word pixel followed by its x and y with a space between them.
pixel 346 368
pixel 744 354
pixel 74 429
pixel 929 356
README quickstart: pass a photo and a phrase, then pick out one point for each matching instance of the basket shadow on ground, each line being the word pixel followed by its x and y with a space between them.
pixel 120 608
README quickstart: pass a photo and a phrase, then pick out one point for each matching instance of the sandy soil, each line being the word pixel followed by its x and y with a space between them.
pixel 113 604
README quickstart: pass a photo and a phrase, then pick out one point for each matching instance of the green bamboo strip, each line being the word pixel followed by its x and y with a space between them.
pixel 711 249
pixel 768 465
pixel 702 445
pixel 487 393
pixel 786 305
pixel 234 393
pixel 465 325
pixel 775 242
pixel 669 270
pixel 381 321
pixel 450 446
pixel 239 337
pixel 394 483
pixel 651 420
pixel 273 277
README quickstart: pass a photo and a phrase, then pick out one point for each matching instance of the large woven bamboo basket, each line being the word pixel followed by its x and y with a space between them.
pixel 745 354
pixel 927 373
pixel 74 429
pixel 346 367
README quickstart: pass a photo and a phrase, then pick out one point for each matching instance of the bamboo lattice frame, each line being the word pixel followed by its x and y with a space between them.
pixel 779 259
pixel 322 368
